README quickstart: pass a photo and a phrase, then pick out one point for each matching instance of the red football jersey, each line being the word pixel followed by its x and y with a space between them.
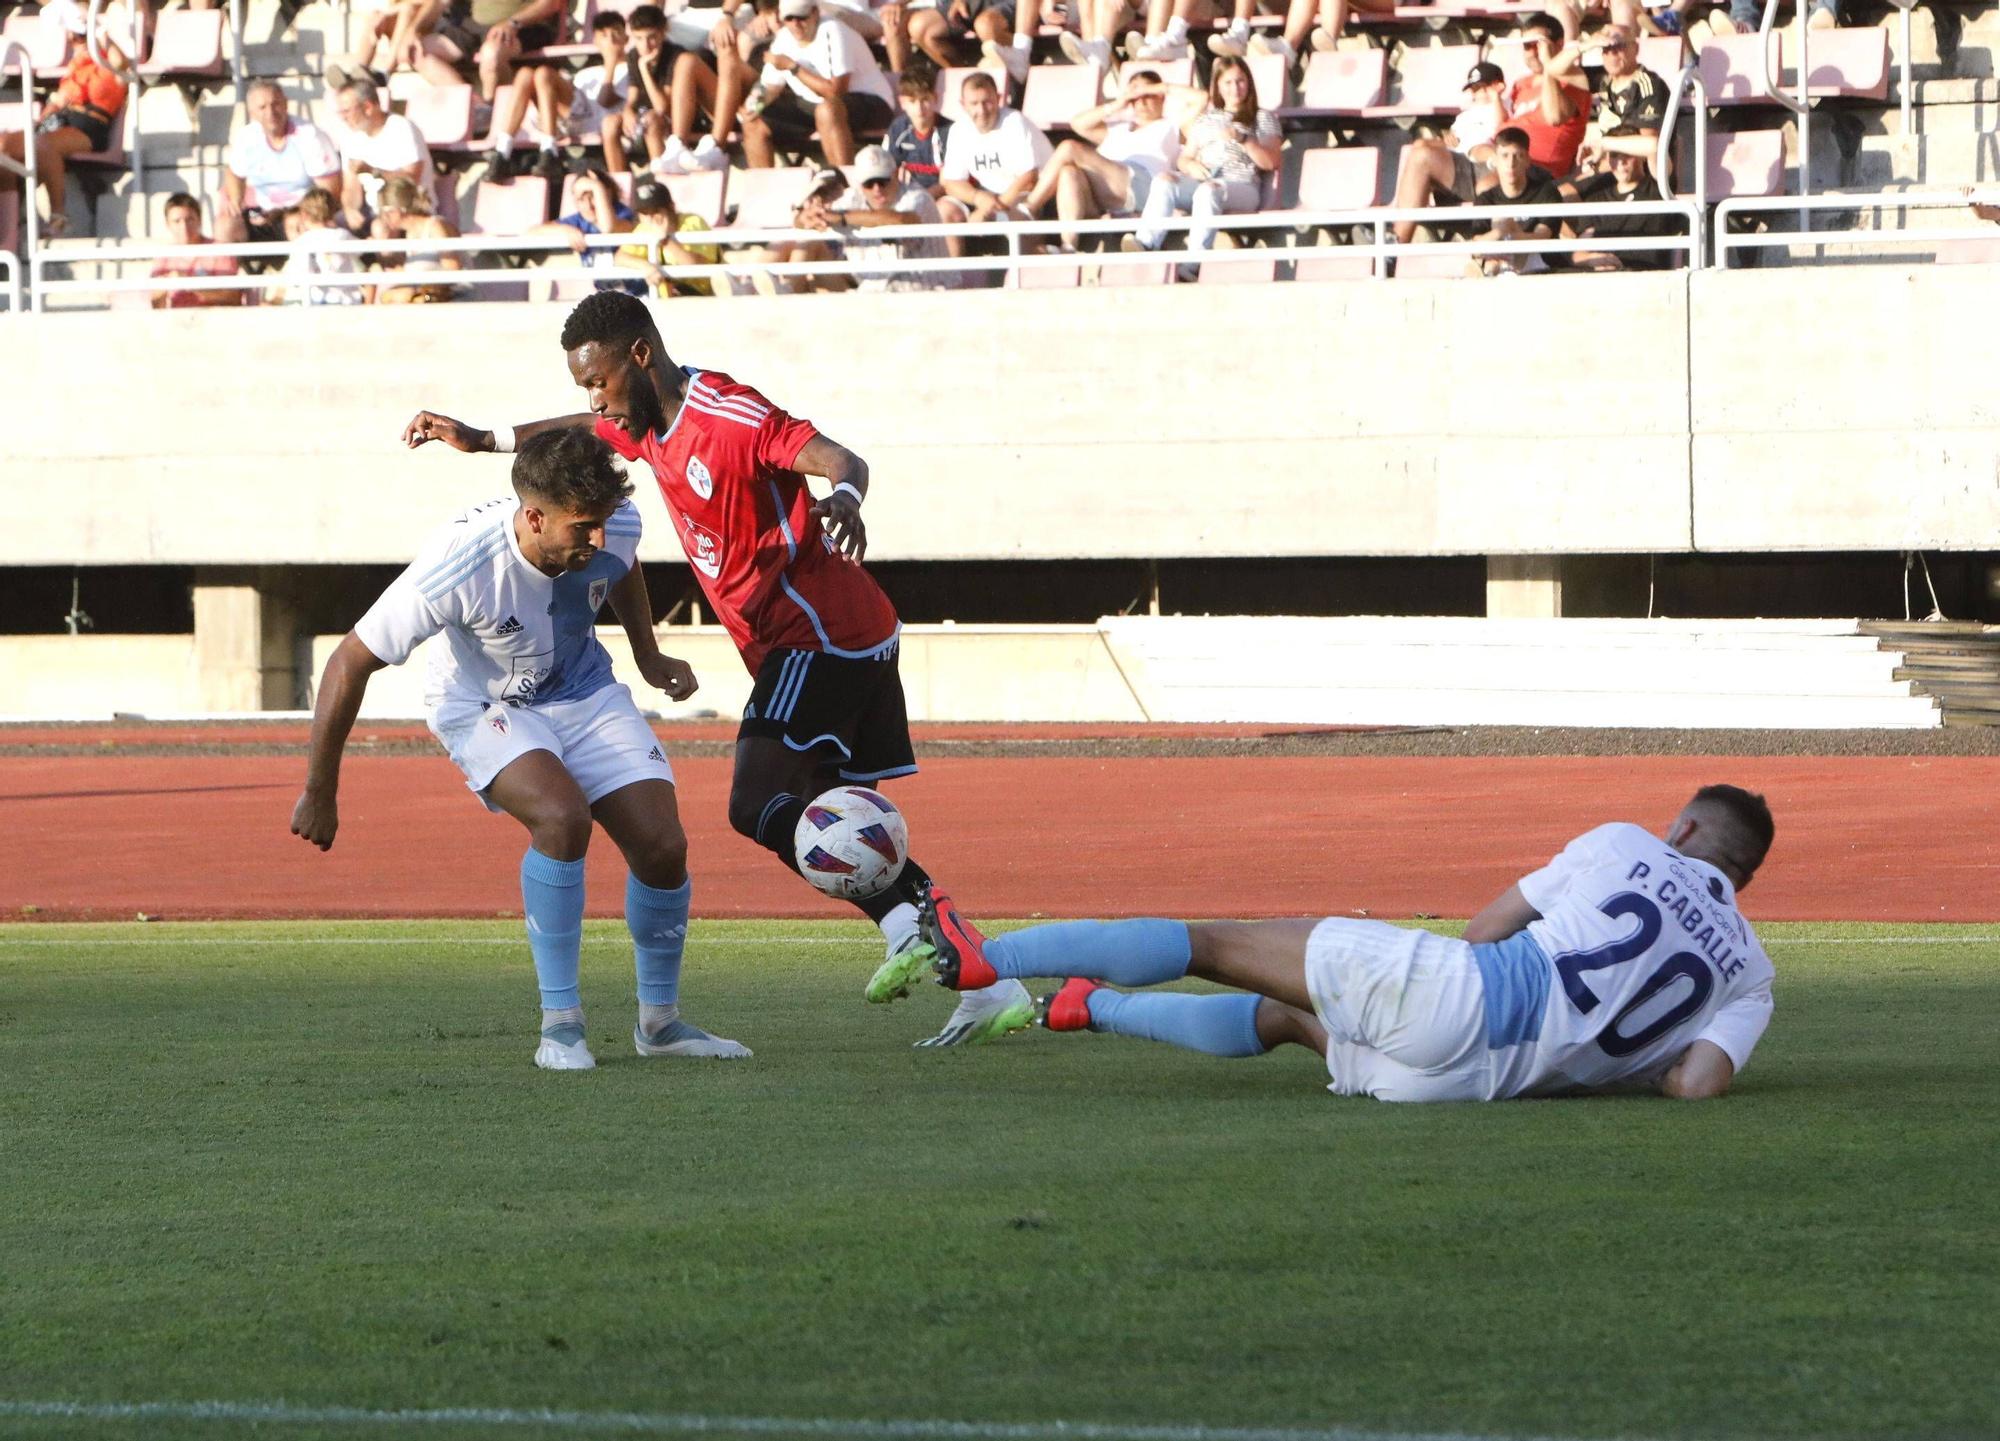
pixel 768 569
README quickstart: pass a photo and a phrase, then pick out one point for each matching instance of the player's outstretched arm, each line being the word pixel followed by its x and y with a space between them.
pixel 1703 1072
pixel 1504 916
pixel 316 816
pixel 634 609
pixel 428 425
pixel 840 512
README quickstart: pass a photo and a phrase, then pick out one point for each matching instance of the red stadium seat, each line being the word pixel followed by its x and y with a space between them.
pixel 1171 72
pixel 1969 252
pixel 1136 273
pixel 1046 277
pixel 1729 70
pixel 764 199
pixel 509 209
pixel 1749 162
pixel 44 37
pixel 1664 55
pixel 442 115
pixel 1852 61
pixel 700 195
pixel 1413 264
pixel 1344 178
pixel 1237 272
pixel 1054 93
pixel 1428 82
pixel 1343 82
pixel 186 43
pixel 1336 264
pixel 1268 75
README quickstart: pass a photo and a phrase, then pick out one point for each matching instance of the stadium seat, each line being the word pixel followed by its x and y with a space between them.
pixel 1336 264
pixel 1055 93
pixel 700 195
pixel 1342 178
pixel 1664 55
pixel 1968 252
pixel 10 220
pixel 509 209
pixel 1171 72
pixel 951 82
pixel 1413 264
pixel 1428 82
pixel 1749 162
pixel 1342 82
pixel 1852 61
pixel 763 199
pixel 1268 73
pixel 1729 70
pixel 44 38
pixel 1046 277
pixel 1237 272
pixel 1135 273
pixel 442 115
pixel 187 44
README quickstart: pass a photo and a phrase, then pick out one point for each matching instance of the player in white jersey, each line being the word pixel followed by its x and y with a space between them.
pixel 1622 961
pixel 521 694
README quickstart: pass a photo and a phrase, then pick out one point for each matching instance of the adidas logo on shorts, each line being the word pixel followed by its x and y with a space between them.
pixel 656 754
pixel 509 626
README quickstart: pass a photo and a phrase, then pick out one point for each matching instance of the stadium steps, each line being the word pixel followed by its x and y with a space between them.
pixel 1955 662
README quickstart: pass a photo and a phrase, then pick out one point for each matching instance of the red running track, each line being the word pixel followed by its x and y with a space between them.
pixel 182 837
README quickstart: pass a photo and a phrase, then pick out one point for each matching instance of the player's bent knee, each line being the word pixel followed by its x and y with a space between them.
pixel 745 811
pixel 562 832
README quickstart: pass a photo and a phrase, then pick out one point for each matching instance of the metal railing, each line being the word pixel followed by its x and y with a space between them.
pixel 1663 155
pixel 13 52
pixel 876 265
pixel 1805 205
pixel 1769 77
pixel 10 281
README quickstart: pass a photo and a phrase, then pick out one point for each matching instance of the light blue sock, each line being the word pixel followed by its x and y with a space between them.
pixel 658 922
pixel 552 895
pixel 1213 1025
pixel 1125 953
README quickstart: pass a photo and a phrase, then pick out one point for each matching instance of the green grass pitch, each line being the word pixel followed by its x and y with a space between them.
pixel 312 1165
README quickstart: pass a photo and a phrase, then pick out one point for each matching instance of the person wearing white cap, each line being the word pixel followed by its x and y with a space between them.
pixel 879 197
pixel 816 78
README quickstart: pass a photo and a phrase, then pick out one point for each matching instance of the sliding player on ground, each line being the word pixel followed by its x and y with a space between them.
pixel 1623 961
pixel 783 574
pixel 522 696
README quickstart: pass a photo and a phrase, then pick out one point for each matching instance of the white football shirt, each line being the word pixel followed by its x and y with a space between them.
pixel 511 633
pixel 1647 953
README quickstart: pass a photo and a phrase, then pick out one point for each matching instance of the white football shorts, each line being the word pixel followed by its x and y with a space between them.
pixel 1404 1011
pixel 601 739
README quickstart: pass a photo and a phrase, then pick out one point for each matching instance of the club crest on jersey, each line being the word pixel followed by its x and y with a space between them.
pixel 598 590
pixel 703 547
pixel 699 480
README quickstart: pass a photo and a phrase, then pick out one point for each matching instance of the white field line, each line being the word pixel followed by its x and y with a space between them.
pixel 255 1413
pixel 696 938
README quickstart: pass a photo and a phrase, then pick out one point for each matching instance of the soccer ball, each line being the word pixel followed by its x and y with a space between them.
pixel 851 843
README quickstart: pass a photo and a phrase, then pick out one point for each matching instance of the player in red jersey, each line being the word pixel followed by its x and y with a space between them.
pixel 783 574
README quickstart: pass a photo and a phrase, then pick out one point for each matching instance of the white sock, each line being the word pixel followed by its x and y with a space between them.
pixel 1239 29
pixel 899 925
pixel 654 1019
pixel 548 146
pixel 1177 29
pixel 503 146
pixel 568 1016
pixel 1024 41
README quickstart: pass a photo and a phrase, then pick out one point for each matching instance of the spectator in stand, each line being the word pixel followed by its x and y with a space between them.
pixel 952 32
pixel 815 212
pixel 376 147
pixel 1309 24
pixel 598 212
pixel 1099 23
pixel 916 142
pixel 184 228
pixel 1547 102
pixel 1744 16
pixel 1227 149
pixel 407 214
pixel 500 36
pixel 1517 181
pixel 273 161
pixel 659 222
pixel 595 99
pixel 77 120
pixel 1629 178
pixel 1631 102
pixel 993 160
pixel 317 219
pixel 1120 151
pixel 881 197
pixel 409 29
pixel 816 76
pixel 666 89
pixel 1454 168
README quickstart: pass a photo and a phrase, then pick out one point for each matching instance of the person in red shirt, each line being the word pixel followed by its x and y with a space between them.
pixel 184 226
pixel 77 119
pixel 1544 102
pixel 782 571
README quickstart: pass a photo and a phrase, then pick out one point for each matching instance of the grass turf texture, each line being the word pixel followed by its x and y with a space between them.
pixel 237 1166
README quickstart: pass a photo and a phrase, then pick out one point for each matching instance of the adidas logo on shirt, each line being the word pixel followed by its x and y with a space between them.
pixel 509 626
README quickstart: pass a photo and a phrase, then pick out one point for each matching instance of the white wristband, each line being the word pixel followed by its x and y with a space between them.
pixel 848 486
pixel 503 439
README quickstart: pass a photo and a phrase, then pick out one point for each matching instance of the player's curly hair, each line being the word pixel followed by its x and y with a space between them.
pixel 570 469
pixel 608 317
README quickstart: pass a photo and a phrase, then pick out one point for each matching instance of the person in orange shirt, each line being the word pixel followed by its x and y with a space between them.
pixel 77 119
